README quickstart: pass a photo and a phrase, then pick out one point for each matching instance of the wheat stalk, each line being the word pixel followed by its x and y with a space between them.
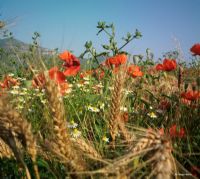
pixel 116 100
pixel 15 129
pixel 62 145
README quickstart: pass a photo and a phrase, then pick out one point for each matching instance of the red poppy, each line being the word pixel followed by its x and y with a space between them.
pixel 2 85
pixel 56 75
pixel 72 64
pixel 159 67
pixel 124 117
pixel 99 73
pixel 39 81
pixel 195 49
pixel 66 56
pixel 191 95
pixel 161 131
pixel 116 60
pixel 195 171
pixel 134 71
pixel 174 132
pixel 86 73
pixel 164 105
pixel 72 71
pixel 168 65
pixel 63 87
pixel 8 82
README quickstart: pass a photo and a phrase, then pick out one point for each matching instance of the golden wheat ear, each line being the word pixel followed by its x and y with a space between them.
pixel 61 146
pixel 116 99
pixel 86 148
pixel 5 151
pixel 16 131
pixel 162 160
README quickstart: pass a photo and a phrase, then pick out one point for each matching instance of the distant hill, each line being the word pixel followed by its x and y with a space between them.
pixel 10 43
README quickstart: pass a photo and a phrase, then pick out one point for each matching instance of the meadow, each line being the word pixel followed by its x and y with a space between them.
pixel 107 114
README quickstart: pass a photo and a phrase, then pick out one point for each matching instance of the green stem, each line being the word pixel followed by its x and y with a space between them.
pixel 126 43
pixel 107 33
pixel 94 58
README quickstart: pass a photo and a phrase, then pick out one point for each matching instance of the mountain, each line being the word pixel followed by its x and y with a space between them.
pixel 12 43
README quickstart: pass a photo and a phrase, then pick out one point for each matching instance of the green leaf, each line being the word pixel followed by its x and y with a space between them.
pixel 106 47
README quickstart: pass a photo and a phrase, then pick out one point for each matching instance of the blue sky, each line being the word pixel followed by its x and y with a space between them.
pixel 68 24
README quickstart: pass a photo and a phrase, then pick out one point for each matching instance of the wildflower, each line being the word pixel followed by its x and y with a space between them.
pixel 71 63
pixel 127 92
pixel 15 87
pixel 14 92
pixel 164 105
pixel 99 73
pixel 195 49
pixel 86 82
pixel 173 132
pixel 195 170
pixel 152 115
pixel 39 81
pixel 9 81
pixel 159 67
pixel 64 88
pixel 101 105
pixel 168 65
pixel 72 124
pixel 43 101
pixel 79 85
pixel 99 85
pixel 134 71
pixel 105 139
pixel 124 109
pixel 111 88
pixel 191 95
pixel 11 74
pixel 124 117
pixel 93 109
pixel 161 131
pixel 30 110
pixel 20 106
pixel 56 75
pixel 116 60
pixel 76 133
pixel 85 75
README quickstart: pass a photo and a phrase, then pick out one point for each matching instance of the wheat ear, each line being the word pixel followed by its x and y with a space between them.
pixel 5 151
pixel 14 127
pixel 161 156
pixel 116 99
pixel 62 144
pixel 86 148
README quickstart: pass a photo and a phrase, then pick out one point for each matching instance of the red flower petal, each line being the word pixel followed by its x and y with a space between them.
pixel 159 67
pixel 65 55
pixel 116 60
pixel 56 75
pixel 72 71
pixel 195 49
